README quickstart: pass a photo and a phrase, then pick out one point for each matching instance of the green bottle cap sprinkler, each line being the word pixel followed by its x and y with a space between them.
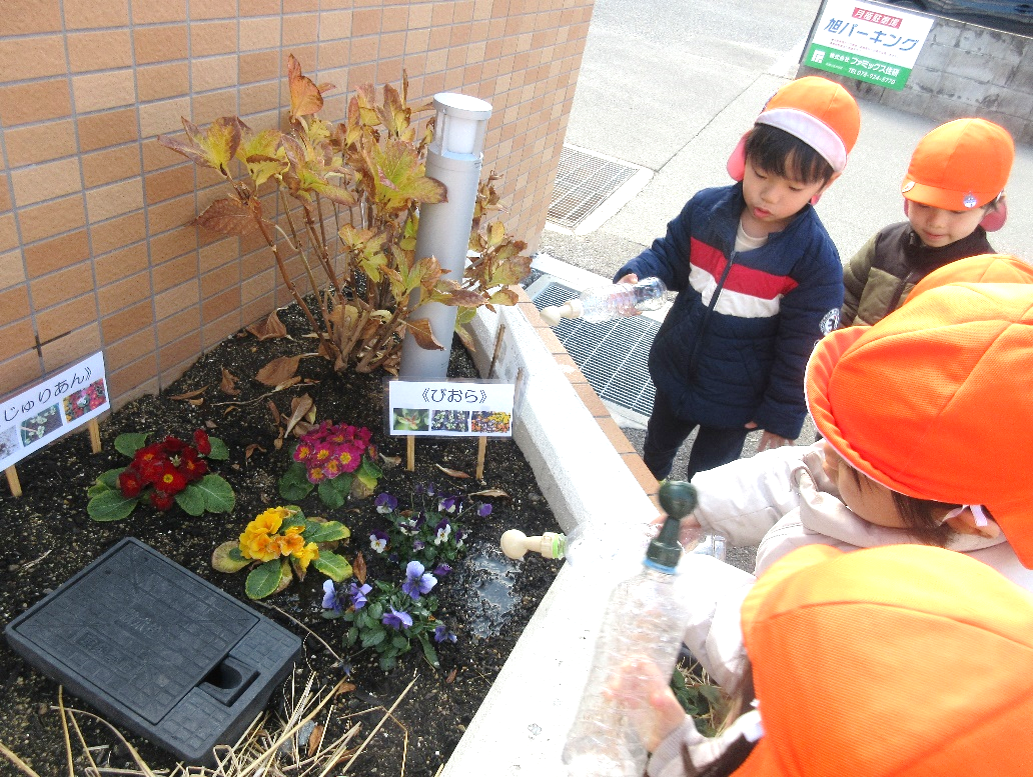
pixel 678 499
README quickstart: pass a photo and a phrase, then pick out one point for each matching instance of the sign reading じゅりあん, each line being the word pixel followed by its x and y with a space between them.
pixel 869 42
pixel 52 408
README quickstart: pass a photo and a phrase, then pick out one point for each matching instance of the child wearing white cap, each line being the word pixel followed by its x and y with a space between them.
pixel 759 280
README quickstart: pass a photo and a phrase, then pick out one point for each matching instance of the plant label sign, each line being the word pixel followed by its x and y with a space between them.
pixel 874 43
pixel 52 408
pixel 450 408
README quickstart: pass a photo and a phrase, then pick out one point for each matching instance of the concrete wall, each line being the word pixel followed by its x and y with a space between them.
pixel 96 251
pixel 963 70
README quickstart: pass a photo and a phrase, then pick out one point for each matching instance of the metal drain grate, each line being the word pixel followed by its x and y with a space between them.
pixel 583 183
pixel 612 354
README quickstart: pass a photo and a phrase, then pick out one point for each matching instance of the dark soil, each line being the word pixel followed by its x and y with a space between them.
pixel 48 536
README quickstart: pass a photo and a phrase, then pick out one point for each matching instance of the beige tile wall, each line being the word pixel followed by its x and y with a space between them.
pixel 96 247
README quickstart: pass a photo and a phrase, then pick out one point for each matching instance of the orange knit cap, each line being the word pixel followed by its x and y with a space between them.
pixel 960 165
pixel 933 401
pixel 816 110
pixel 985 268
pixel 896 661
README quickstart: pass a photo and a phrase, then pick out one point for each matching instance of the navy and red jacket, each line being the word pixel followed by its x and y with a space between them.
pixel 735 344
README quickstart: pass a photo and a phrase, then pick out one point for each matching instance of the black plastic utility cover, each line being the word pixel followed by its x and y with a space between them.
pixel 157 649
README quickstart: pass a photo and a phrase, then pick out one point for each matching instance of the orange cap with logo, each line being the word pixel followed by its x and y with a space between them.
pixel 933 401
pixel 960 165
pixel 896 661
pixel 816 110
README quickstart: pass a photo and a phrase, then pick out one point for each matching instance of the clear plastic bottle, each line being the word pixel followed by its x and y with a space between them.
pixel 602 303
pixel 644 620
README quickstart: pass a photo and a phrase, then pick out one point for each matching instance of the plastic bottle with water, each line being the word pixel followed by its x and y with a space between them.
pixel 602 303
pixel 644 621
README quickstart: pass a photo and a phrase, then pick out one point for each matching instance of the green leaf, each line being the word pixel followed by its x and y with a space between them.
pixel 110 506
pixel 400 642
pixel 429 652
pixel 294 486
pixel 373 638
pixel 375 611
pixel 387 664
pixel 333 566
pixel 110 478
pixel 217 493
pixel 294 519
pixel 96 490
pixel 369 468
pixel 219 450
pixel 129 443
pixel 263 579
pixel 352 636
pixel 191 499
pixel 326 532
pixel 226 558
pixel 329 495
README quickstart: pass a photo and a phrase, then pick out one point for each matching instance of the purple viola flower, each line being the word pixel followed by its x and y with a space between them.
pixel 442 634
pixel 484 510
pixel 358 593
pixel 397 619
pixel 460 537
pixel 419 488
pixel 447 504
pixel 417 581
pixel 418 545
pixel 332 597
pixel 385 503
pixel 431 489
pixel 378 540
pixel 442 569
pixel 421 518
pixel 442 531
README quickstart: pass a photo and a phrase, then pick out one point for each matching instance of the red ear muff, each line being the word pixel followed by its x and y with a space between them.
pixel 736 166
pixel 994 219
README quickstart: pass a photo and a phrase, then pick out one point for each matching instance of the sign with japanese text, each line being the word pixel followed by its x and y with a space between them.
pixel 870 42
pixel 52 408
pixel 450 408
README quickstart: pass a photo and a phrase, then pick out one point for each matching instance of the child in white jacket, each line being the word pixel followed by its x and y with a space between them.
pixel 925 418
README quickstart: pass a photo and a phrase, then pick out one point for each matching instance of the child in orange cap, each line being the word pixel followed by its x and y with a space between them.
pixel 953 194
pixel 926 417
pixel 759 280
pixel 902 661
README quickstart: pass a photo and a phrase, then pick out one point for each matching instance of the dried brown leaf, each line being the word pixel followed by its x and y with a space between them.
pixel 228 216
pixel 344 687
pixel 451 676
pixel 359 568
pixel 269 329
pixel 300 406
pixel 251 449
pixel 191 394
pixel 302 428
pixel 278 370
pixel 196 402
pixel 229 383
pixel 424 336
pixel 315 739
pixel 292 381
pixel 274 411
pixel 491 492
pixel 452 472
pixel 391 461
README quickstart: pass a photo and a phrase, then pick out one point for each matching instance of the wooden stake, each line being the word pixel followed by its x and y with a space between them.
pixel 498 347
pixel 94 428
pixel 482 446
pixel 12 481
pixel 410 452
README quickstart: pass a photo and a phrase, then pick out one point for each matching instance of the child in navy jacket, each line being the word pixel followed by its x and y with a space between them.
pixel 759 281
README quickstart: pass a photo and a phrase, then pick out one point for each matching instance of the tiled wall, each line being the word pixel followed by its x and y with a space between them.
pixel 96 250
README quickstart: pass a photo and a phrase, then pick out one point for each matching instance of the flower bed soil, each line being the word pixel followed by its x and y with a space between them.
pixel 48 536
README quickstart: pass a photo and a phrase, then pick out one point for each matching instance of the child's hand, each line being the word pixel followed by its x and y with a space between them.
pixel 769 439
pixel 646 697
pixel 629 278
pixel 689 530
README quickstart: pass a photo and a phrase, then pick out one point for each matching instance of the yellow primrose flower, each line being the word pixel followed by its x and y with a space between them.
pixel 306 555
pixel 261 547
pixel 291 543
pixel 270 520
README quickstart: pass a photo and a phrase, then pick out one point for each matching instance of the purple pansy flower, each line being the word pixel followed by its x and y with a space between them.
pixel 431 489
pixel 442 634
pixel 448 504
pixel 460 536
pixel 442 569
pixel 385 503
pixel 331 597
pixel 358 594
pixel 484 510
pixel 397 619
pixel 378 540
pixel 418 545
pixel 417 581
pixel 442 531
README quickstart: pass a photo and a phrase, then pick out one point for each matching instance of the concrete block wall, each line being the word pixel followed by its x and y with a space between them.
pixel 963 70
pixel 97 251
